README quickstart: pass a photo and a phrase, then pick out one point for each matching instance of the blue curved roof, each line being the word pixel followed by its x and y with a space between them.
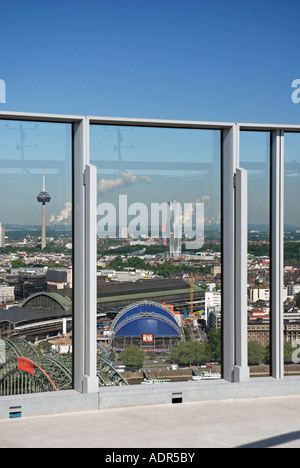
pixel 146 326
pixel 146 318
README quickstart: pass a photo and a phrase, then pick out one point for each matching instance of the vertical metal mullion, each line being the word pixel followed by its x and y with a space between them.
pixel 84 319
pixel 80 160
pixel 241 373
pixel 277 253
pixel 229 160
pixel 90 371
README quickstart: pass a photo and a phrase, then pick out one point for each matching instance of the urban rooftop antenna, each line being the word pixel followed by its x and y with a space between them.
pixel 44 198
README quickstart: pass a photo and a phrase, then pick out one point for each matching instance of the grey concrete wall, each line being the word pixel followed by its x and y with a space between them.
pixel 141 395
pixel 47 403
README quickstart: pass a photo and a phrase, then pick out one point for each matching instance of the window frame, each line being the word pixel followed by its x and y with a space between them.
pixel 234 245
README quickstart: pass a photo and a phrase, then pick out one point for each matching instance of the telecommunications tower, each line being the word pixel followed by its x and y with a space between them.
pixel 44 198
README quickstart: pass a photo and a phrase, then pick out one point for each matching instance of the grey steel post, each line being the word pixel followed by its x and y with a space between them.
pixel 91 382
pixel 229 159
pixel 84 326
pixel 80 134
pixel 241 371
pixel 277 253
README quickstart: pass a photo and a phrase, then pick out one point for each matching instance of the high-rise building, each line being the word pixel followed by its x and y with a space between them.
pixel 164 238
pixel 2 235
pixel 123 232
pixel 174 229
pixel 44 198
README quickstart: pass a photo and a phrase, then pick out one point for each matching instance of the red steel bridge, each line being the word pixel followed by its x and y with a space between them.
pixel 23 370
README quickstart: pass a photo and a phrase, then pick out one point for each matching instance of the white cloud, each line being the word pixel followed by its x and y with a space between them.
pixel 108 185
pixel 146 179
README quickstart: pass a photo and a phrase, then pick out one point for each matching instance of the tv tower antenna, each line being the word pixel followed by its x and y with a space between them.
pixel 44 198
pixel 118 148
pixel 21 147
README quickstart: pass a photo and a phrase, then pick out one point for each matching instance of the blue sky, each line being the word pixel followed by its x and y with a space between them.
pixel 231 61
pixel 173 59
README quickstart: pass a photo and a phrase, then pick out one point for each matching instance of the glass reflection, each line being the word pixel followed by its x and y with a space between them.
pixel 291 293
pixel 35 257
pixel 159 252
pixel 255 157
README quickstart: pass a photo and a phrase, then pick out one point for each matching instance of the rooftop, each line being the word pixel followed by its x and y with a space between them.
pixel 250 423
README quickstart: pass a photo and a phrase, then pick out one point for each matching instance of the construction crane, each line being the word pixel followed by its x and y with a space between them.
pixel 192 281
pixel 192 295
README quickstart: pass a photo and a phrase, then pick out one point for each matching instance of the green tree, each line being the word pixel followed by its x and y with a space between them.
pixel 173 356
pixel 116 263
pixel 112 356
pixel 288 351
pixel 202 353
pixel 192 353
pixel 136 262
pixel 215 344
pixel 185 353
pixel 256 353
pixel 133 357
pixel 18 264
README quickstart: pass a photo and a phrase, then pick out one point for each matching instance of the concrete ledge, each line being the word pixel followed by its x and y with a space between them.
pixel 46 403
pixel 145 395
pixel 140 395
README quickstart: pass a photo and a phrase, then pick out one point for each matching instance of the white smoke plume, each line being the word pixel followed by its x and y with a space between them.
pixel 146 179
pixel 108 185
pixel 63 216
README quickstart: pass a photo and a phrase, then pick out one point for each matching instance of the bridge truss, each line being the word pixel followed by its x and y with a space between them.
pixel 25 371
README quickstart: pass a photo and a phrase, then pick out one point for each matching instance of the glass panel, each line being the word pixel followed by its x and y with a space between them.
pixel 35 257
pixel 291 293
pixel 159 252
pixel 255 157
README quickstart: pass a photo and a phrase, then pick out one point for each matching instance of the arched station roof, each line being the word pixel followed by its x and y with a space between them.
pixel 48 301
pixel 146 318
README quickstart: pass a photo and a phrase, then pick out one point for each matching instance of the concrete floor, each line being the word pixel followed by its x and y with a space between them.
pixel 259 422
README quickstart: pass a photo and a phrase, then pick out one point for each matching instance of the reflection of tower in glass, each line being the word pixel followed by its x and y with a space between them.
pixel 44 198
pixel 175 229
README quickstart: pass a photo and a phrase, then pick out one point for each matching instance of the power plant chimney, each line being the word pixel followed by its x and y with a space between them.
pixel 44 198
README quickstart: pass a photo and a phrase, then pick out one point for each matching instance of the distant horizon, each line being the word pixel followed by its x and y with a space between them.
pixel 211 228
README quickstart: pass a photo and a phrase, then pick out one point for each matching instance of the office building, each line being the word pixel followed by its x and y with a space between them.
pixel 174 229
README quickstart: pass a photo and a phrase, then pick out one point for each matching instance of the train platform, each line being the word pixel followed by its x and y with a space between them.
pixel 268 422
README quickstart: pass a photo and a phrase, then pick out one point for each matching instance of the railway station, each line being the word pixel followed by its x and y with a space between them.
pixel 148 325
